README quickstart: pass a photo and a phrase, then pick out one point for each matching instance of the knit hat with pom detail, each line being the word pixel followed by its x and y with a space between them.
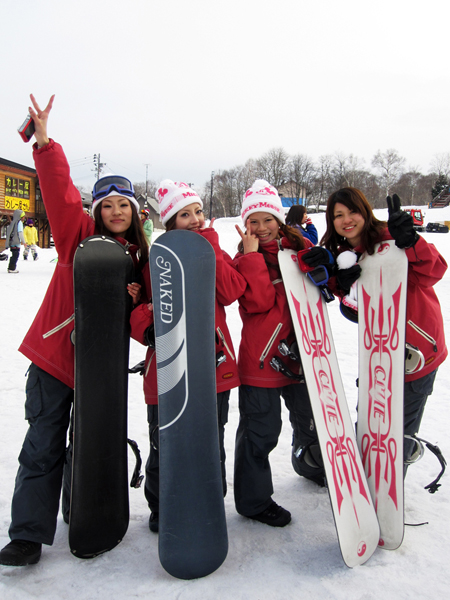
pixel 173 196
pixel 262 197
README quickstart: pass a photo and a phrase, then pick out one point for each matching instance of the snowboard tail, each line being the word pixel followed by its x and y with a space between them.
pixel 99 509
pixel 353 510
pixel 193 540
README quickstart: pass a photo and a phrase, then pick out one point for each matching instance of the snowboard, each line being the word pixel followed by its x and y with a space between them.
pixel 381 333
pixel 193 539
pixel 99 509
pixel 353 510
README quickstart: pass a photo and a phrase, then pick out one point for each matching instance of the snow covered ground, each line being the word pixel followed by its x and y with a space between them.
pixel 301 560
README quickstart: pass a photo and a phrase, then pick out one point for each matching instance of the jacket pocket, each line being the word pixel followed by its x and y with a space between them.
pixel 269 345
pixel 58 327
pixel 33 401
pixel 224 342
pixel 424 334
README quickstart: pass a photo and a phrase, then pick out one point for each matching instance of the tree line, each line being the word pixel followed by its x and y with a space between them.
pixel 311 182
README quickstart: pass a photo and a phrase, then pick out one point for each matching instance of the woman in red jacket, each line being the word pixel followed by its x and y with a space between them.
pixel 49 388
pixel 351 225
pixel 182 208
pixel 266 323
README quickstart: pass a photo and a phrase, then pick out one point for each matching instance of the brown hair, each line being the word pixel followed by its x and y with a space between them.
pixel 355 200
pixel 293 235
pixel 134 234
pixel 170 225
pixel 296 214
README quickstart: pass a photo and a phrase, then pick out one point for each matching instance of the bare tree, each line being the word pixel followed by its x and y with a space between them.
pixel 440 165
pixel 390 168
pixel 274 167
pixel 322 185
pixel 141 188
pixel 300 178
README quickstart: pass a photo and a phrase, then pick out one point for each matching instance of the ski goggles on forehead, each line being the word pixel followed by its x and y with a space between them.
pixel 106 185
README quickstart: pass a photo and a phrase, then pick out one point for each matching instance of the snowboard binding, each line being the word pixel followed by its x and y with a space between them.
pixel 419 452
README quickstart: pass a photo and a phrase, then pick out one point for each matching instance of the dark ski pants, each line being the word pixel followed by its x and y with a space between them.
pixel 15 252
pixel 37 489
pixel 415 399
pixel 257 435
pixel 151 488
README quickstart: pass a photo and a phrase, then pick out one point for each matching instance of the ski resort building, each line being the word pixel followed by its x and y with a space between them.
pixel 19 189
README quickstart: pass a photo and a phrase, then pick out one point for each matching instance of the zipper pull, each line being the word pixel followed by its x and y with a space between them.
pixel 261 364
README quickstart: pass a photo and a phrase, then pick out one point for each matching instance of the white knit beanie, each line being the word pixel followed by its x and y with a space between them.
pixel 132 200
pixel 173 196
pixel 262 197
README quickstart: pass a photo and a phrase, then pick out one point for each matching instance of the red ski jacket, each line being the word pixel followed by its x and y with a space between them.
pixel 266 319
pixel 47 343
pixel 424 322
pixel 229 287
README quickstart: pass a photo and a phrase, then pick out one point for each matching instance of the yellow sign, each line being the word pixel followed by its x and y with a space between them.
pixel 15 203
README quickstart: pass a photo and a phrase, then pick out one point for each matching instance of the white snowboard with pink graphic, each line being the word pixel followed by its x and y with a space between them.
pixel 381 330
pixel 353 509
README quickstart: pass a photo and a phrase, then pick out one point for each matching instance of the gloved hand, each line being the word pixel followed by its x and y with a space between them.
pixel 347 277
pixel 308 221
pixel 317 256
pixel 400 224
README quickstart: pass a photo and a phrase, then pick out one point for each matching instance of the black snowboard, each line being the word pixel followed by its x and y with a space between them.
pixel 193 540
pixel 99 509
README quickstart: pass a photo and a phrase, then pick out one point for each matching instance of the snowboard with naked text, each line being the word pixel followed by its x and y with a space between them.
pixel 193 540
pixel 353 510
pixel 99 509
pixel 381 332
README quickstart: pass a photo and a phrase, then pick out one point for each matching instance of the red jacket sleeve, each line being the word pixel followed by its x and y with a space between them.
pixel 425 265
pixel 62 201
pixel 230 285
pixel 141 318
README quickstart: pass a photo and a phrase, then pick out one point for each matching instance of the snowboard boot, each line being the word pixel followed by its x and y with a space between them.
pixel 274 515
pixel 307 462
pixel 20 553
pixel 153 522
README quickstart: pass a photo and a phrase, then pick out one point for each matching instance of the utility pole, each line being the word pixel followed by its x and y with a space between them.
pixel 98 166
pixel 146 182
pixel 212 189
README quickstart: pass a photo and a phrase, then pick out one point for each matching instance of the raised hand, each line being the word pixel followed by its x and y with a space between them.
pixel 400 224
pixel 40 118
pixel 249 240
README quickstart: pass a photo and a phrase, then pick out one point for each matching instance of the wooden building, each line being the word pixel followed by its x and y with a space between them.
pixel 19 189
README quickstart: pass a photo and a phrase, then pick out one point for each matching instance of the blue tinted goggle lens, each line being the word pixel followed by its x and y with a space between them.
pixel 104 186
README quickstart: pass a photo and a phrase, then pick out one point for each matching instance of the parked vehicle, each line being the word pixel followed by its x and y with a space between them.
pixel 436 227
pixel 417 216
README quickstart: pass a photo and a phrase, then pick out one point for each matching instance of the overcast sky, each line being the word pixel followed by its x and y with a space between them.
pixel 194 86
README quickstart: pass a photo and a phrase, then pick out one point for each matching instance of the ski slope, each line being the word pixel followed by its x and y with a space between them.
pixel 300 561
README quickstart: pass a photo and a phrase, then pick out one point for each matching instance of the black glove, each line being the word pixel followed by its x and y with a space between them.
pixel 400 224
pixel 149 336
pixel 346 277
pixel 317 256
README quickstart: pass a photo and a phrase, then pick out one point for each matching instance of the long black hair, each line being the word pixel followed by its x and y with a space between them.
pixel 134 234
